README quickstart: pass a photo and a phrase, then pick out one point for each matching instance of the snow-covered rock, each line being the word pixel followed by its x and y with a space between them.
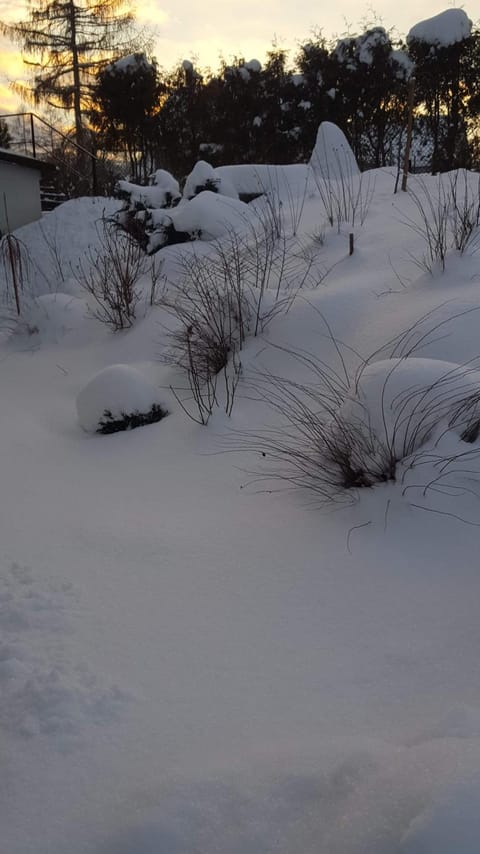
pixel 117 389
pixel 332 157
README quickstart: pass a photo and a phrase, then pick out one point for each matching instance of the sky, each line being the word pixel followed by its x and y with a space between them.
pixel 206 31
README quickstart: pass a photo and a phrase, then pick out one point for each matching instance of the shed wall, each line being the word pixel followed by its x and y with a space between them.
pixel 21 187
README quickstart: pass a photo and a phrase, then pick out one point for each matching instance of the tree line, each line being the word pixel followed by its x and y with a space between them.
pixel 89 60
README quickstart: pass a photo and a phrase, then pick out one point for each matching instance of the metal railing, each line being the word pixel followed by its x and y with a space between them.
pixel 31 142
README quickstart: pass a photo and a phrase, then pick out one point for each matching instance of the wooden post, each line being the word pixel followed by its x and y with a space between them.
pixel 408 144
pixel 350 243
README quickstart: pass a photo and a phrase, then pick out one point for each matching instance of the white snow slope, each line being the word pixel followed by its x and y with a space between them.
pixel 192 662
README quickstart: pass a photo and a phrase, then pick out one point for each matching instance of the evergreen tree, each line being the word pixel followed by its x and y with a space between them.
pixel 446 73
pixel 126 101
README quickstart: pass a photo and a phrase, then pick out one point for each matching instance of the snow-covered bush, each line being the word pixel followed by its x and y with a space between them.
pixel 204 177
pixel 163 191
pixel 118 398
pixel 207 216
pixel 342 431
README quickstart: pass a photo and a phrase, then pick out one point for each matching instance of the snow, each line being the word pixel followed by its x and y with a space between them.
pixel 191 660
pixel 117 389
pixel 332 157
pixel 443 30
pixel 451 824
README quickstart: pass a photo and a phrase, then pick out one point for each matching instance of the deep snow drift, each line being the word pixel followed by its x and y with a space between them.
pixel 193 658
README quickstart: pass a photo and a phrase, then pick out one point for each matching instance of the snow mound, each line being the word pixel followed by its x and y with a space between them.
pixel 54 316
pixel 332 158
pixel 118 389
pixel 56 242
pixel 451 824
pixel 443 30
pixel 255 179
pixel 399 402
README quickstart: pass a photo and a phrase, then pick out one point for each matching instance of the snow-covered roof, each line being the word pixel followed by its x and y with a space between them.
pixel 445 29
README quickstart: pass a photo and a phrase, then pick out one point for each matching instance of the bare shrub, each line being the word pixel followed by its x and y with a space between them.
pixel 220 299
pixel 110 275
pixel 346 196
pixel 15 262
pixel 448 218
pixel 464 210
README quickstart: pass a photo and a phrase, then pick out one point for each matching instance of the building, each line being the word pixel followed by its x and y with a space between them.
pixel 20 189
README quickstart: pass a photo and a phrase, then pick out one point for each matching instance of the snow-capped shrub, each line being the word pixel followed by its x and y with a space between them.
pixel 163 192
pixel 119 397
pixel 342 432
pixel 204 177
pixel 207 216
pixel 396 405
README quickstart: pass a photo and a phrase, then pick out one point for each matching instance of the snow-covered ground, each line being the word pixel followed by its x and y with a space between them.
pixel 194 662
